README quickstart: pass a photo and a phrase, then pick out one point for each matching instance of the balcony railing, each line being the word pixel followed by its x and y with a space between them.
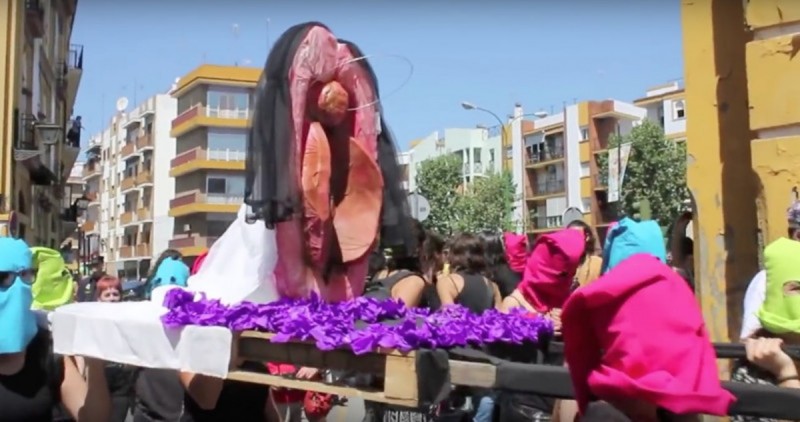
pixel 127 217
pixel 128 182
pixel 477 168
pixel 200 153
pixel 127 251
pixel 144 214
pixel 196 197
pixel 143 250
pixel 128 149
pixel 215 112
pixel 144 141
pixel 546 154
pixel 600 180
pixel 75 57
pixel 549 187
pixel 144 177
pixel 192 241
pixel 544 223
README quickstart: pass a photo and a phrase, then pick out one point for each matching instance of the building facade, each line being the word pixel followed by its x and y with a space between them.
pixel 41 73
pixel 666 106
pixel 127 177
pixel 214 104
pixel 479 154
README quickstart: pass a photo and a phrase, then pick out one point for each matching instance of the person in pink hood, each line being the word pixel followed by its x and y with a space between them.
pixel 549 272
pixel 656 353
pixel 516 248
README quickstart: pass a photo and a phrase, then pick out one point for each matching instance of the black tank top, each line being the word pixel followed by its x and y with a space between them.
pixel 31 394
pixel 477 295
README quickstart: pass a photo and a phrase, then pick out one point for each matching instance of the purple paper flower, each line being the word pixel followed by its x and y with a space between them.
pixel 362 325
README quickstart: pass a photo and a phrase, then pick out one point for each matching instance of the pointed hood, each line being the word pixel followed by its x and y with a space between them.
pixel 551 268
pixel 516 246
pixel 780 312
pixel 629 237
pixel 627 314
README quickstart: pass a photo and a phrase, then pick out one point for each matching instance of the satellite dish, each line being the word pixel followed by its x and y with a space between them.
pixel 572 214
pixel 122 104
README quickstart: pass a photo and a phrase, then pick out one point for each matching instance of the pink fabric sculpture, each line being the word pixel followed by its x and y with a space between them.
pixel 551 269
pixel 321 165
pixel 637 333
pixel 516 250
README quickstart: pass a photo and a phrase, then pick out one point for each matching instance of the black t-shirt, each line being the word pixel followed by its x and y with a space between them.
pixel 32 394
pixel 159 396
pixel 239 401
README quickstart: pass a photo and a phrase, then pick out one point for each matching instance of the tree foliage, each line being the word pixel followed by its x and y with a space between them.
pixel 656 171
pixel 488 204
pixel 485 204
pixel 438 180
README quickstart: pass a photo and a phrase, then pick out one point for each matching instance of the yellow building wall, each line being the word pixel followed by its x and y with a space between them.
pixel 773 73
pixel 718 144
pixel 11 18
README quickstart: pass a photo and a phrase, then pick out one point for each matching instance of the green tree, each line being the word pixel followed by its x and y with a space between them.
pixel 439 180
pixel 488 204
pixel 656 171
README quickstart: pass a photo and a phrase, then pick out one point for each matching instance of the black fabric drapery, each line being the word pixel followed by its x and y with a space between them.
pixel 271 188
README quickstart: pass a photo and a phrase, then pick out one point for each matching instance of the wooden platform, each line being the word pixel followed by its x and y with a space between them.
pixel 396 368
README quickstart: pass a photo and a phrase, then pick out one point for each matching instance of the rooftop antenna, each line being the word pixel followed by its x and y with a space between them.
pixel 235 32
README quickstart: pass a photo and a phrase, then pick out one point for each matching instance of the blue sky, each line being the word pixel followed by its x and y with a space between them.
pixel 492 53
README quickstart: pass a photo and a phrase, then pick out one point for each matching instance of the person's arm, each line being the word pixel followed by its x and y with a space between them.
pixel 447 290
pixel 86 399
pixel 514 300
pixel 409 290
pixel 204 390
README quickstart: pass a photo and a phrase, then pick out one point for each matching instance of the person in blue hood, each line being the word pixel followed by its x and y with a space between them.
pixel 630 237
pixel 159 393
pixel 35 384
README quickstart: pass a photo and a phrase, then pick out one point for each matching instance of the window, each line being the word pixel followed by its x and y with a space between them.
pixel 587 203
pixel 228 103
pixel 216 228
pixel 216 186
pixel 225 185
pixel 227 140
pixel 585 169
pixel 678 109
pixel 584 134
pixel 509 152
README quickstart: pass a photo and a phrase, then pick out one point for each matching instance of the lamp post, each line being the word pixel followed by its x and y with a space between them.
pixel 466 105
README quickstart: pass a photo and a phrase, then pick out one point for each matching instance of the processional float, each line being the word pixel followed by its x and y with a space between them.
pixel 283 282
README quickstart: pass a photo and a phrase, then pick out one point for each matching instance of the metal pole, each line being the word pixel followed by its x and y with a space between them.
pixel 619 175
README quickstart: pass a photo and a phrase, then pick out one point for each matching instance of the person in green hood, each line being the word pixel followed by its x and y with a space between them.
pixel 53 285
pixel 766 362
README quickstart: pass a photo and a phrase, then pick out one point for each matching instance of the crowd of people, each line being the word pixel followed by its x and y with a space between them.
pixel 556 277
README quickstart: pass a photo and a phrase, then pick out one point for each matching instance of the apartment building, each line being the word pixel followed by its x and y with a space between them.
pixel 666 105
pixel 74 201
pixel 479 154
pixel 41 73
pixel 210 131
pixel 127 177
pixel 561 162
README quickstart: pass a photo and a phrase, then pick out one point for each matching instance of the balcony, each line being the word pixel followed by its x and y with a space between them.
pixel 127 218
pixel 477 168
pixel 144 214
pixel 545 155
pixel 74 71
pixel 128 183
pixel 549 187
pixel 34 17
pixel 201 116
pixel 546 223
pixel 128 150
pixel 192 245
pixel 127 252
pixel 194 202
pixel 91 170
pixel 144 177
pixel 35 154
pixel 143 250
pixel 144 141
pixel 198 159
